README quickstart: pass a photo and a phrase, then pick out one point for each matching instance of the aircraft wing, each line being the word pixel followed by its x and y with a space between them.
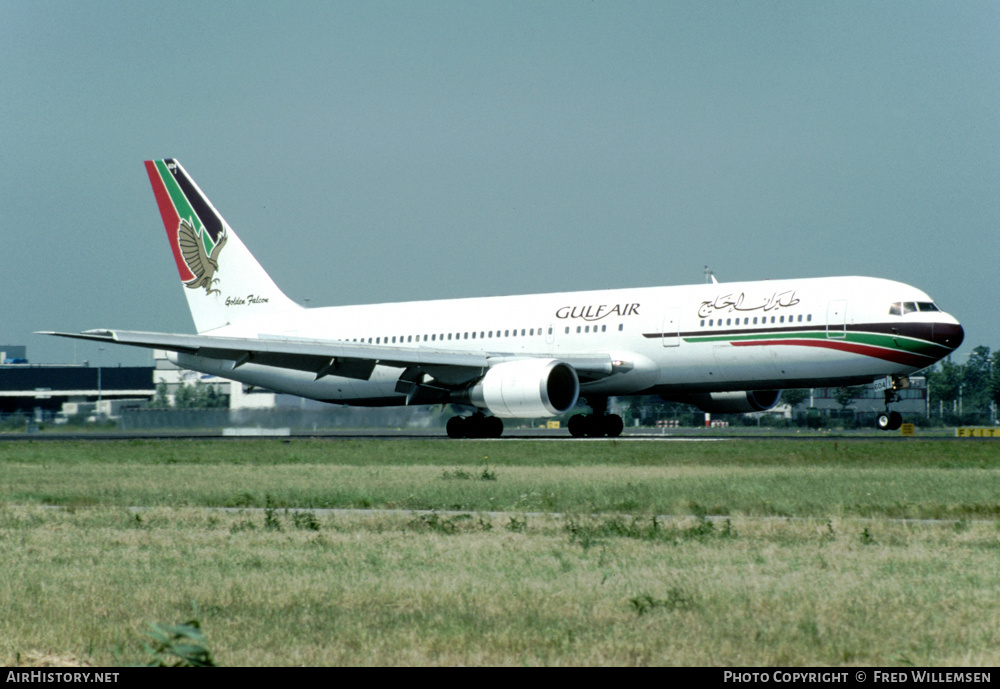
pixel 324 358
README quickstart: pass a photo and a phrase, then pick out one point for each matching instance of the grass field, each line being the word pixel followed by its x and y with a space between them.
pixel 803 562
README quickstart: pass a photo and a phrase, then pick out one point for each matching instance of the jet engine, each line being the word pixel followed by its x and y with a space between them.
pixel 527 388
pixel 738 402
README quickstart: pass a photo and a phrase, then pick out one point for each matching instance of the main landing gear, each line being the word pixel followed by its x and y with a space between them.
pixel 598 424
pixel 476 426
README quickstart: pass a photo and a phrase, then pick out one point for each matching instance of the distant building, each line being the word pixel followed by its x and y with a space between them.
pixel 42 390
pixel 13 354
pixel 167 373
pixel 60 393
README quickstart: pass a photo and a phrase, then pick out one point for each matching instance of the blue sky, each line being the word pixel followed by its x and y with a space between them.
pixel 387 151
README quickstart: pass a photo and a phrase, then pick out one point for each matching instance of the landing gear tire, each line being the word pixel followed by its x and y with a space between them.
pixel 613 425
pixel 456 427
pixel 889 421
pixel 596 425
pixel 492 427
pixel 475 426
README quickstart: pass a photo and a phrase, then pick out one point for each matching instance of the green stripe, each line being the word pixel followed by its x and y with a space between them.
pixel 759 336
pixel 181 205
pixel 905 344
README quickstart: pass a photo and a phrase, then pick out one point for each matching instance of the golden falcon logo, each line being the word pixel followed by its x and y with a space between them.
pixel 200 255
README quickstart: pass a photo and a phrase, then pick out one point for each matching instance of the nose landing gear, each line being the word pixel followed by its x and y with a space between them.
pixel 891 420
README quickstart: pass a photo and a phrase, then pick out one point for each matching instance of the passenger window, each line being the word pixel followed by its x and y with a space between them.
pixel 621 327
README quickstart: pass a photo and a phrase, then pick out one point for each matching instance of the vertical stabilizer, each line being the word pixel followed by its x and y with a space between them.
pixel 223 282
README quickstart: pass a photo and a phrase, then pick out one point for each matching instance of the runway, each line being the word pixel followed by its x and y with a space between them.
pixel 541 434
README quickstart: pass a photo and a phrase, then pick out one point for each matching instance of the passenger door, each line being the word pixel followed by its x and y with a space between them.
pixel 671 330
pixel 836 319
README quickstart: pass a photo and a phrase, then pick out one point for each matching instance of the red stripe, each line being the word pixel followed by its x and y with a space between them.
pixel 893 355
pixel 170 218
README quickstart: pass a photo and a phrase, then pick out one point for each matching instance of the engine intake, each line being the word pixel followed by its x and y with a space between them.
pixel 527 388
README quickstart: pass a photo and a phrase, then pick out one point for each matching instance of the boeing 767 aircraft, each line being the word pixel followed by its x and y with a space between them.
pixel 727 348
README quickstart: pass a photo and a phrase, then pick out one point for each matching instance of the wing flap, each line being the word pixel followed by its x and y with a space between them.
pixel 326 358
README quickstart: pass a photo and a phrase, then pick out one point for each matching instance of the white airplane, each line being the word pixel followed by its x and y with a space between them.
pixel 727 348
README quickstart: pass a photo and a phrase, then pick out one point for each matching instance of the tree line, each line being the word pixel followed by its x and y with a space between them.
pixel 197 396
pixel 965 393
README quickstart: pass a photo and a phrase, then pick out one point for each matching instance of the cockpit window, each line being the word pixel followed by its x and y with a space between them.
pixel 900 308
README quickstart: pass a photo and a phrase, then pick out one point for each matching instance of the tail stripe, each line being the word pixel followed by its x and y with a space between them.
pixel 179 198
pixel 169 215
pixel 196 200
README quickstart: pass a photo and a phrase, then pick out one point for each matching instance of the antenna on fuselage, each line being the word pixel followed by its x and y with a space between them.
pixel 710 277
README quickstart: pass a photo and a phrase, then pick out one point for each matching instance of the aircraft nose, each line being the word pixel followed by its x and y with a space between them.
pixel 948 334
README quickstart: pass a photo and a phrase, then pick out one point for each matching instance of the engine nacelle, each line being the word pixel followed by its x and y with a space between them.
pixel 527 388
pixel 739 402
